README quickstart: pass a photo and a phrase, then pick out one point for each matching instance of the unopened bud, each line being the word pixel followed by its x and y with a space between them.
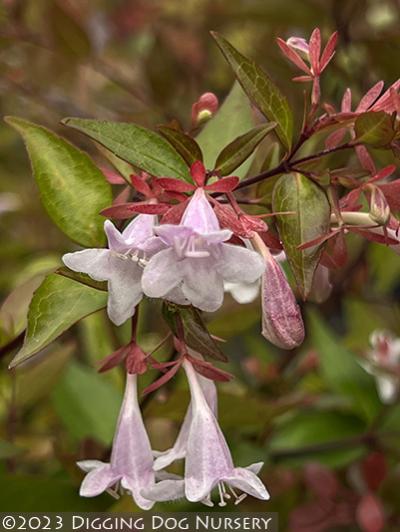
pixel 282 323
pixel 379 208
pixel 205 107
pixel 321 288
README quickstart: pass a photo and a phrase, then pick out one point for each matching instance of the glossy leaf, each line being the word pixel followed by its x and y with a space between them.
pixel 296 193
pixel 135 144
pixel 57 304
pixel 260 89
pixel 184 144
pixel 374 128
pixel 237 151
pixel 194 330
pixel 342 371
pixel 234 118
pixel 72 188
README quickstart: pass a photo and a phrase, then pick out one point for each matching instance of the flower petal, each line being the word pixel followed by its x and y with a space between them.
pixel 125 290
pixel 97 481
pixel 94 262
pixel 139 230
pixel 199 215
pixel 136 490
pixel 239 264
pixel 89 465
pixel 245 480
pixel 203 285
pixel 243 292
pixel 166 490
pixel 162 274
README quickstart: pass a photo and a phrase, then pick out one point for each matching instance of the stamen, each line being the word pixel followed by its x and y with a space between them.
pixel 208 502
pixel 238 498
pixel 197 254
pixel 221 495
pixel 226 495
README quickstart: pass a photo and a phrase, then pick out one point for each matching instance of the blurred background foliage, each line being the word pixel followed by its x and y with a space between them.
pixel 147 61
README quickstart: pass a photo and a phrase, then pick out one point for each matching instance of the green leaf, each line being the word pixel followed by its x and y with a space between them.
pixel 82 278
pixel 295 440
pixel 374 128
pixel 296 193
pixel 341 370
pixel 135 144
pixel 184 144
pixel 72 188
pixel 241 148
pixel 57 304
pixel 233 118
pixel 87 403
pixel 194 330
pixel 260 89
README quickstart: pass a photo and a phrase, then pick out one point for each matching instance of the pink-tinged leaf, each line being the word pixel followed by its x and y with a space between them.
pixel 383 173
pixel 292 55
pixel 335 138
pixel 350 202
pixel 112 177
pixel 374 237
pixel 282 323
pixel 335 254
pixel 128 210
pixel 302 79
pixel 321 480
pixel 385 102
pixel 316 91
pixel 174 185
pixel 114 359
pixel 369 98
pixel 374 470
pixel 365 159
pixel 209 371
pixel 123 196
pixel 318 240
pixel 370 514
pixel 315 50
pixel 198 173
pixel 395 97
pixel 346 101
pixel 141 186
pixel 163 379
pixel 223 185
pixel 174 214
pixel 329 51
pixel 392 194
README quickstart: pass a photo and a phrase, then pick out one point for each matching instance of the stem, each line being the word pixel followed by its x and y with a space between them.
pixel 289 165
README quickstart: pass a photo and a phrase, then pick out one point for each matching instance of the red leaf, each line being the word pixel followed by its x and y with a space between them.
pixel 382 174
pixel 292 55
pixel 174 185
pixel 127 210
pixel 370 514
pixel 114 359
pixel 365 159
pixel 114 178
pixel 329 51
pixel 123 196
pixel 374 237
pixel 227 184
pixel 335 254
pixel 141 186
pixel 392 194
pixel 163 379
pixel 198 173
pixel 209 371
pixel 174 213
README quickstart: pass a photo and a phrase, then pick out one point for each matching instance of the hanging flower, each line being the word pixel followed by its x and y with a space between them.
pixel 209 462
pixel 197 259
pixel 131 464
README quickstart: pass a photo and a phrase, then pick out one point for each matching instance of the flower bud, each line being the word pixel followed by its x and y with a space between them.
pixel 282 323
pixel 379 208
pixel 205 107
pixel 321 288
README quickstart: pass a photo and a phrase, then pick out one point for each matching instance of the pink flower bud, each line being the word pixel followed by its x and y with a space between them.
pixel 205 107
pixel 282 323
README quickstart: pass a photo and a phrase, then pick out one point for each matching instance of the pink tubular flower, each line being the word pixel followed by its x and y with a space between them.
pixel 131 464
pixel 121 265
pixel 208 459
pixel 197 259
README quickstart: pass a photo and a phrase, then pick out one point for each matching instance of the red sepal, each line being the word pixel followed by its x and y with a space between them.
pixel 174 185
pixel 163 379
pixel 128 210
pixel 227 184
pixel 198 173
pixel 141 186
